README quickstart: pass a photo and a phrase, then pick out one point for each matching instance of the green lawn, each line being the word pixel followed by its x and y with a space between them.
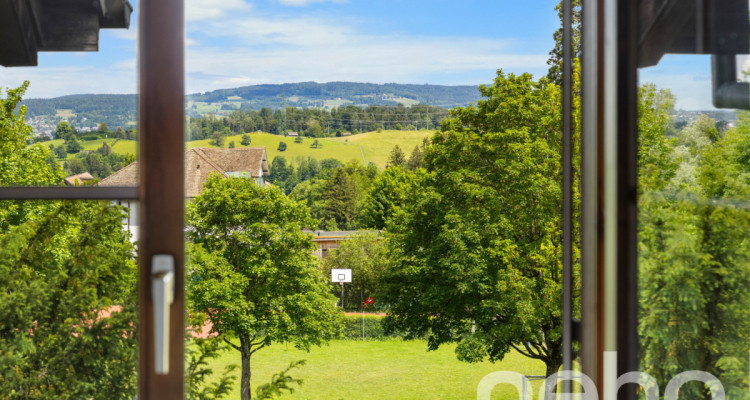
pixel 387 370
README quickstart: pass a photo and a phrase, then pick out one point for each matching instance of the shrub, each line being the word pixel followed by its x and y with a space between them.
pixel 90 137
pixel 245 140
pixel 282 146
pixel 352 328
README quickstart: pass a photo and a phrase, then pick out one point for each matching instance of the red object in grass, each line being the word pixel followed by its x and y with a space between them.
pixel 369 300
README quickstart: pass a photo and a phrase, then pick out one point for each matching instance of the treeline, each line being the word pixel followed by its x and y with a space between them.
pixel 348 196
pixel 317 123
pixel 67 132
pixel 100 163
pixel 361 93
pixel 113 109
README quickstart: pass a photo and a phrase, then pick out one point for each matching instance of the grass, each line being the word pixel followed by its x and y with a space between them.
pixel 373 370
pixel 118 146
pixel 375 146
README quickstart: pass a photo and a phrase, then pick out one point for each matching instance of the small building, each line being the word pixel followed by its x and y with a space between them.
pixel 330 240
pixel 292 134
pixel 78 179
pixel 346 133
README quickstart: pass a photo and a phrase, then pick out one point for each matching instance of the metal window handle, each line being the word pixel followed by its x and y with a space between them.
pixel 162 294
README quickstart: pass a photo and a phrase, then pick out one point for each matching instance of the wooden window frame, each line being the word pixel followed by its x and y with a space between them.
pixel 161 189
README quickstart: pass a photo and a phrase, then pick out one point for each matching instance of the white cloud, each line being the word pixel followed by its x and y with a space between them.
pixel 201 10
pixel 229 44
pixel 57 81
pixel 273 50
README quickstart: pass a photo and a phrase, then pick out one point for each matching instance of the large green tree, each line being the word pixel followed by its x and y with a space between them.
pixel 478 249
pixel 694 257
pixel 340 199
pixel 252 271
pixel 67 274
pixel 388 192
pixel 69 295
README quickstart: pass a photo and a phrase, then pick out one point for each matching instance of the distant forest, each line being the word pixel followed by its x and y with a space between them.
pixel 317 123
pixel 120 109
pixel 113 109
pixel 359 93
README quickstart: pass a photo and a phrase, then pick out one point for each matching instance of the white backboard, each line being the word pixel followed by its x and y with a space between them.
pixel 341 275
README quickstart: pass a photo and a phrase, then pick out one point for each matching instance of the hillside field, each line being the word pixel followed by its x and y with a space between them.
pixel 379 370
pixel 374 146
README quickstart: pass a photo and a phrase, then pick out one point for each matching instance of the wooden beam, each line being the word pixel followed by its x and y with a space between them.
pixel 161 115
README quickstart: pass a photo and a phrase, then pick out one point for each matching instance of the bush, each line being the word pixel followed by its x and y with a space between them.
pixel 90 137
pixel 352 328
pixel 282 146
pixel 245 140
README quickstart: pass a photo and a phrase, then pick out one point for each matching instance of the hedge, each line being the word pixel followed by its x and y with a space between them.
pixel 373 328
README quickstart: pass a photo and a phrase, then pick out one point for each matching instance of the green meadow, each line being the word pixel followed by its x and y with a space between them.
pixel 366 147
pixel 379 370
pixel 119 146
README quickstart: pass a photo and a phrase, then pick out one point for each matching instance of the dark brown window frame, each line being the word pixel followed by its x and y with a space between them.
pixel 160 192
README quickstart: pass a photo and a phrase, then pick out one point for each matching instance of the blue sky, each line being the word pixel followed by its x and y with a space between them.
pixel 233 43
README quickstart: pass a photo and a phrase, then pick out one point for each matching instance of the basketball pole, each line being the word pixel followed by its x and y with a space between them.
pixel 362 302
pixel 342 295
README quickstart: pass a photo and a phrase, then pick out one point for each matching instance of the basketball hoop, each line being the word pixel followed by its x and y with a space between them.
pixel 341 276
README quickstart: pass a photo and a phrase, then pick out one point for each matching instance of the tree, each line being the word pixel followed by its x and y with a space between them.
pixel 693 259
pixel 315 144
pixel 60 151
pixel 231 144
pixel 245 140
pixel 103 128
pixel 298 139
pixel 64 131
pixel 397 158
pixel 198 370
pixel 62 264
pixel 217 139
pixel 556 54
pixel 415 159
pixel 340 199
pixel 22 165
pixel 105 150
pixel 252 271
pixel 55 343
pixel 366 254
pixel 477 250
pixel 72 146
pixel 75 166
pixel 282 146
pixel 389 192
pixel 280 170
pixel 655 166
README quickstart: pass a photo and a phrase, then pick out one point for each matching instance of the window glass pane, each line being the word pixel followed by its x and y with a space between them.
pixel 68 269
pixel 694 198
pixel 75 112
pixel 328 204
pixel 68 275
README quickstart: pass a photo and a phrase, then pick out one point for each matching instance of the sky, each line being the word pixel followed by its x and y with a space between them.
pixel 231 43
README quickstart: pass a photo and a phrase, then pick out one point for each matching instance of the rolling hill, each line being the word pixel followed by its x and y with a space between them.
pixel 367 147
pixel 89 110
